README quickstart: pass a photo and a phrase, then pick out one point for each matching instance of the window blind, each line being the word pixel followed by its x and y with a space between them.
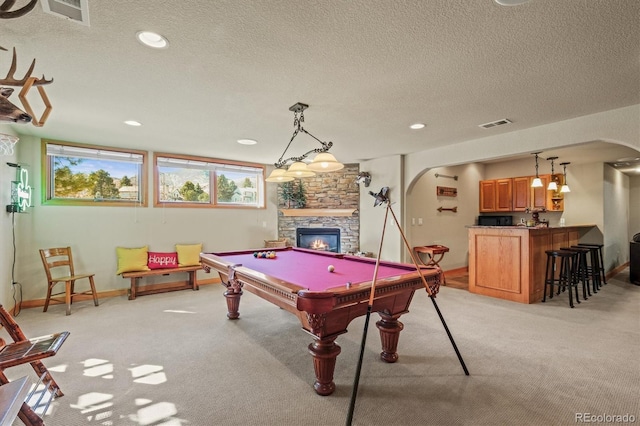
pixel 99 154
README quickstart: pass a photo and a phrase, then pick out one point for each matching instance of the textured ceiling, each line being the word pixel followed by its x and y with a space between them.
pixel 367 68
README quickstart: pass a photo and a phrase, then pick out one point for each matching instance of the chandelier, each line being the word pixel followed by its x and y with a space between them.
pixel 294 167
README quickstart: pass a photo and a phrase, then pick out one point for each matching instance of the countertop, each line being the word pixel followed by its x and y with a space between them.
pixel 532 227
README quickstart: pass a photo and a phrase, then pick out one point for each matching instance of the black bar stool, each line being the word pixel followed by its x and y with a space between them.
pixel 580 271
pixel 593 268
pixel 565 279
pixel 600 259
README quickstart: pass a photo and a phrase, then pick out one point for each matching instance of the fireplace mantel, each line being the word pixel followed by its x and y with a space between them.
pixel 317 212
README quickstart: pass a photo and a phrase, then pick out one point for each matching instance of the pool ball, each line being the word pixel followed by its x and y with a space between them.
pixel 330 268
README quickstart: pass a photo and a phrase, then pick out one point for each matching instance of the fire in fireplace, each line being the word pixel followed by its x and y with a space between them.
pixel 326 239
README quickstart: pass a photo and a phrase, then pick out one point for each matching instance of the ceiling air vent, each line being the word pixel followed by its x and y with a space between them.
pixel 74 10
pixel 495 123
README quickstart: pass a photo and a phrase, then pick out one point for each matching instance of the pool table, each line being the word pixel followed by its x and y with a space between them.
pixel 299 281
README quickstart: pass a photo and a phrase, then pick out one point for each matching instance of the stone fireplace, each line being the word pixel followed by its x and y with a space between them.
pixel 332 203
pixel 324 239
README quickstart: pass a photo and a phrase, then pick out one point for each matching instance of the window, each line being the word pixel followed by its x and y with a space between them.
pixel 79 174
pixel 187 181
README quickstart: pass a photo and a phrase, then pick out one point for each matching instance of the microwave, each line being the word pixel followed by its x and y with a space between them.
pixel 495 220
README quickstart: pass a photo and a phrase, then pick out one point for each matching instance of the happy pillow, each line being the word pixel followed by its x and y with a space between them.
pixel 188 254
pixel 158 260
pixel 132 259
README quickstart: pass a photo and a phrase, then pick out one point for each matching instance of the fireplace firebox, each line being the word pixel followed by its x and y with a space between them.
pixel 325 239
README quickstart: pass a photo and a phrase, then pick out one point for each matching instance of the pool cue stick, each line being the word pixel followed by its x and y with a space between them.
pixel 431 295
pixel 455 348
pixel 356 380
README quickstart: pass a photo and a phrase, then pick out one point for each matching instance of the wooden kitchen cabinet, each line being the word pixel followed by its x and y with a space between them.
pixel 517 195
pixel 496 195
pixel 539 195
pixel 504 194
pixel 487 196
pixel 521 193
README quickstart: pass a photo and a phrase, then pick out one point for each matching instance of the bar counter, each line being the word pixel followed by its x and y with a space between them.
pixel 508 262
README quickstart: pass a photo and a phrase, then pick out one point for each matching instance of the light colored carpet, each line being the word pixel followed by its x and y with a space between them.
pixel 174 359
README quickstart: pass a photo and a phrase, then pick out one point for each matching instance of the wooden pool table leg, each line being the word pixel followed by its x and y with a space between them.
pixel 233 293
pixel 390 329
pixel 324 351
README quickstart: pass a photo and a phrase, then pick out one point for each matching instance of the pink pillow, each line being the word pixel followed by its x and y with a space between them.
pixel 158 260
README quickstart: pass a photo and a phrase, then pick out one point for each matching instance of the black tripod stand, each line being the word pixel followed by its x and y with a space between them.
pixel 382 198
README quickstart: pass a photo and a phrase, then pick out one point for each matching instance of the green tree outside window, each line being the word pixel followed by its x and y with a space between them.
pixel 191 192
pixel 226 188
pixel 102 185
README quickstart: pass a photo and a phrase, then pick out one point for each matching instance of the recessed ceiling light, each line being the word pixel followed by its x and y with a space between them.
pixel 152 39
pixel 417 126
pixel 247 141
pixel 133 123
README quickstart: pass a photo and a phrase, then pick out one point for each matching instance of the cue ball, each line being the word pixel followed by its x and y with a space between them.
pixel 330 268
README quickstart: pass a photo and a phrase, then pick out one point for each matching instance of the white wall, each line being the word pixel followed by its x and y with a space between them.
pixel 616 218
pixel 384 172
pixel 446 228
pixel 94 232
pixel 585 203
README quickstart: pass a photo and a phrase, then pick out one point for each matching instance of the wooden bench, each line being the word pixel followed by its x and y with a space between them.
pixel 192 283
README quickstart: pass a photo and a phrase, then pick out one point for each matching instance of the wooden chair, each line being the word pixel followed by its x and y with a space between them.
pixel 31 351
pixel 61 257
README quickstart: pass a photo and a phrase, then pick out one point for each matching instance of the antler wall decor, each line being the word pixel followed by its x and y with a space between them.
pixel 6 13
pixel 10 112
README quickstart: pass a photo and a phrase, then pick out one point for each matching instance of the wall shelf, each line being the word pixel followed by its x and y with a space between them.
pixel 317 212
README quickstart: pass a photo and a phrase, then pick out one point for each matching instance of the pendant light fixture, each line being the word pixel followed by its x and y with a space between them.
pixel 537 183
pixel 565 186
pixel 298 169
pixel 294 167
pixel 553 186
pixel 278 176
pixel 325 162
